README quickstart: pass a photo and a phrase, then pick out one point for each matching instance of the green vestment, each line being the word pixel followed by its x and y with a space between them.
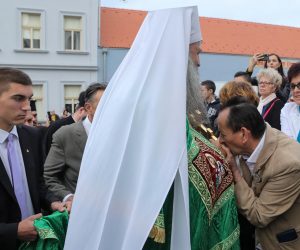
pixel 213 213
pixel 51 231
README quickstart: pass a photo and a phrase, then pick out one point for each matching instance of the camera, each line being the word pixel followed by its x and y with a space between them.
pixel 264 57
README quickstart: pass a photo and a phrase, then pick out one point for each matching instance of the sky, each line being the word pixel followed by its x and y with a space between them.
pixel 278 12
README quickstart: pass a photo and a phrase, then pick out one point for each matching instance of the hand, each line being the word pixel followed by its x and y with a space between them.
pixel 219 146
pixel 58 206
pixel 68 203
pixel 26 230
pixel 232 163
pixel 253 61
pixel 79 114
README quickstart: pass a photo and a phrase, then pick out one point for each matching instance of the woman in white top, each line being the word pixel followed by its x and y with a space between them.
pixel 290 114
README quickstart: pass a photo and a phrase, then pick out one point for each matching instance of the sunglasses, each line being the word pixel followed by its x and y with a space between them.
pixel 293 86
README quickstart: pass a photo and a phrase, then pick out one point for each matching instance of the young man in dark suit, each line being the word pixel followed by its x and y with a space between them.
pixel 22 189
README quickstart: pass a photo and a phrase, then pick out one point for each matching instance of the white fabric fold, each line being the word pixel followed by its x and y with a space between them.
pixel 137 143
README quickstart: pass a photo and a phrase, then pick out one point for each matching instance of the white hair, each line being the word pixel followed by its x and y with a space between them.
pixel 272 75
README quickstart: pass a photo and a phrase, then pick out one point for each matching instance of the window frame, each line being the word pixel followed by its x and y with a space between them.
pixel 80 84
pixel 20 29
pixel 83 32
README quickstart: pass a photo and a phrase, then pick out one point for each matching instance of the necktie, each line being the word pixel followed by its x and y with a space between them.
pixel 16 175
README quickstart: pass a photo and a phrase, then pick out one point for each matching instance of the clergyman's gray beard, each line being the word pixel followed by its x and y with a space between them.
pixel 195 106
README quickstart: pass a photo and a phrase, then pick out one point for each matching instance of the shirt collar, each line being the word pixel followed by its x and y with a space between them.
pixel 4 134
pixel 255 154
pixel 87 125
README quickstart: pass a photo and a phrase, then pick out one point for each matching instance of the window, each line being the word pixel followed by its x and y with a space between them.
pixel 31 30
pixel 38 97
pixel 73 32
pixel 71 97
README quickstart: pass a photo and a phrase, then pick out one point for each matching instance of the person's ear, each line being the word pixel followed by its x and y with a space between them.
pixel 87 107
pixel 245 134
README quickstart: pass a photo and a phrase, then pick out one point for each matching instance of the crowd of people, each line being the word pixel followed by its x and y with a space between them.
pixel 162 163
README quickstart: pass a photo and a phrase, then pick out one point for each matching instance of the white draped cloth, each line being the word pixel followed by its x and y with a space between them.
pixel 137 144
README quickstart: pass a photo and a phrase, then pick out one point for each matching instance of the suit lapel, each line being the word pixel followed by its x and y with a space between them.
pixel 4 179
pixel 267 150
pixel 246 172
pixel 81 136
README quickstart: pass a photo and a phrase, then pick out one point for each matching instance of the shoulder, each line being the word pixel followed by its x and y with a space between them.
pixel 289 107
pixel 279 103
pixel 30 131
pixel 61 122
pixel 68 129
pixel 286 152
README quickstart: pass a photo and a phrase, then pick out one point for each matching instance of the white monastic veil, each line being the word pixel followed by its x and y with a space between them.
pixel 137 144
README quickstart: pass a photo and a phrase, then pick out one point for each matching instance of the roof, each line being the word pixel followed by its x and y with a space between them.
pixel 119 27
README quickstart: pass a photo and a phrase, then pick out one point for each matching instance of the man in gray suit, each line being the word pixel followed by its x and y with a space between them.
pixel 267 183
pixel 62 164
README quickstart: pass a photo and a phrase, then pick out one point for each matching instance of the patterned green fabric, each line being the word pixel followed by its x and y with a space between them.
pixel 213 214
pixel 51 230
pixel 164 220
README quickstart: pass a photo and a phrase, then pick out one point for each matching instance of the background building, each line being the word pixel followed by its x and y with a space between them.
pixel 56 43
pixel 227 44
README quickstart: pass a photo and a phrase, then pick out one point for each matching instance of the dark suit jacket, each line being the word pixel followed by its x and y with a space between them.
pixel 10 214
pixel 54 126
pixel 273 117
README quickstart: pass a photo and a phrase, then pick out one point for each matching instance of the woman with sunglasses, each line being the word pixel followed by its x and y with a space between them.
pixel 290 114
pixel 271 61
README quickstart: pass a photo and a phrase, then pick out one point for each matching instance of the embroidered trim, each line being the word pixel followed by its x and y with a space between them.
pixel 229 241
pixel 214 184
pixel 157 232
pixel 46 233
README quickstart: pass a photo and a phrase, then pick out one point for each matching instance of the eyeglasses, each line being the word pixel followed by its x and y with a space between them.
pixel 293 86
pixel 265 83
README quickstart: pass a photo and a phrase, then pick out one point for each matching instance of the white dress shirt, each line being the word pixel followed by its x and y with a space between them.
pixel 251 161
pixel 3 153
pixel 290 119
pixel 87 125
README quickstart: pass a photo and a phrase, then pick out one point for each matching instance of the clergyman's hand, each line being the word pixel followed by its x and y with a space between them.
pixel 26 230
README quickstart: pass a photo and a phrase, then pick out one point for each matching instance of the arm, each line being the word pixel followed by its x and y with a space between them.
pixel 8 232
pixel 24 230
pixel 284 93
pixel 55 166
pixel 276 110
pixel 277 196
pixel 252 63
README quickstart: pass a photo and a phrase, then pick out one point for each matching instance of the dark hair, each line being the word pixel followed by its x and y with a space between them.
pixel 11 75
pixel 81 98
pixel 294 71
pixel 92 90
pixel 209 85
pixel 244 114
pixel 33 105
pixel 280 69
pixel 245 75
